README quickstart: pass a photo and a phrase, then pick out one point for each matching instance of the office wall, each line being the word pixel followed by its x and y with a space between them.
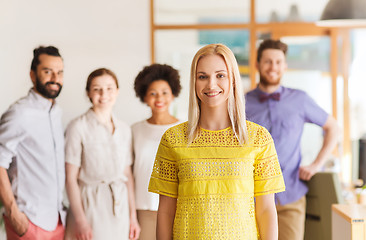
pixel 89 34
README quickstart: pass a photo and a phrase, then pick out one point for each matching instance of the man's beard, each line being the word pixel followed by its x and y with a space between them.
pixel 44 91
pixel 265 82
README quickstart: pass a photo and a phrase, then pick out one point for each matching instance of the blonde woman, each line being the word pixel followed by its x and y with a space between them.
pixel 156 85
pixel 99 179
pixel 217 173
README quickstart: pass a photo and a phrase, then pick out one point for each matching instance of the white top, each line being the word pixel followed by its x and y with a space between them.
pixel 32 149
pixel 146 138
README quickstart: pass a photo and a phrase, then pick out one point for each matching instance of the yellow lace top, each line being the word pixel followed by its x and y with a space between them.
pixel 215 180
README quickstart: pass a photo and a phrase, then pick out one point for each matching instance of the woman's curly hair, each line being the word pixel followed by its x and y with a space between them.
pixel 153 73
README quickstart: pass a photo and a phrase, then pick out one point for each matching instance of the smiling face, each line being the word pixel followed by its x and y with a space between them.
pixel 103 92
pixel 48 77
pixel 271 67
pixel 212 82
pixel 159 96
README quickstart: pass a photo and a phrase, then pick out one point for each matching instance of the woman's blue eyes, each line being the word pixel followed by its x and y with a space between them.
pixel 218 76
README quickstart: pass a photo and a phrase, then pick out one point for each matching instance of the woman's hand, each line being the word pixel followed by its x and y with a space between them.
pixel 83 231
pixel 134 229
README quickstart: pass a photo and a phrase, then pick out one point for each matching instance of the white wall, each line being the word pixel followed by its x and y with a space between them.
pixel 89 34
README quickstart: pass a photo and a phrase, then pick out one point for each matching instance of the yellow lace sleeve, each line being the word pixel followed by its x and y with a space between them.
pixel 164 179
pixel 267 174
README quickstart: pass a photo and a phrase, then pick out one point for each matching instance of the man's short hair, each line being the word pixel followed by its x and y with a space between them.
pixel 271 44
pixel 50 50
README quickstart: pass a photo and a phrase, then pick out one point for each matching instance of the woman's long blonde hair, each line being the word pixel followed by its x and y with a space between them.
pixel 236 104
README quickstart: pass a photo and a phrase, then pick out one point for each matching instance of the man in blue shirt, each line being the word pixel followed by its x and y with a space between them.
pixel 284 111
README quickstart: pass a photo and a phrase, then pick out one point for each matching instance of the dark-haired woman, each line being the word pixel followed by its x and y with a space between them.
pixel 156 85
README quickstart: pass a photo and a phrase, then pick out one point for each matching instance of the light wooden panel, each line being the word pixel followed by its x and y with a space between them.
pixel 253 50
pixel 334 69
pixel 152 31
pixel 346 60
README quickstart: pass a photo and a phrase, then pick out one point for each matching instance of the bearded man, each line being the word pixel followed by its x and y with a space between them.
pixel 32 173
pixel 284 111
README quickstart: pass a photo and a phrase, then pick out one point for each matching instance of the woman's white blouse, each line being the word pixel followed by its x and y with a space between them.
pixel 145 139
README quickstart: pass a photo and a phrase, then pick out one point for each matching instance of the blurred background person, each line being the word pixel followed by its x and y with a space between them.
pixel 156 85
pixel 284 111
pixel 32 167
pixel 99 179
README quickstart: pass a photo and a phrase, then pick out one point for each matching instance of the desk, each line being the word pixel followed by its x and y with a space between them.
pixel 348 222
